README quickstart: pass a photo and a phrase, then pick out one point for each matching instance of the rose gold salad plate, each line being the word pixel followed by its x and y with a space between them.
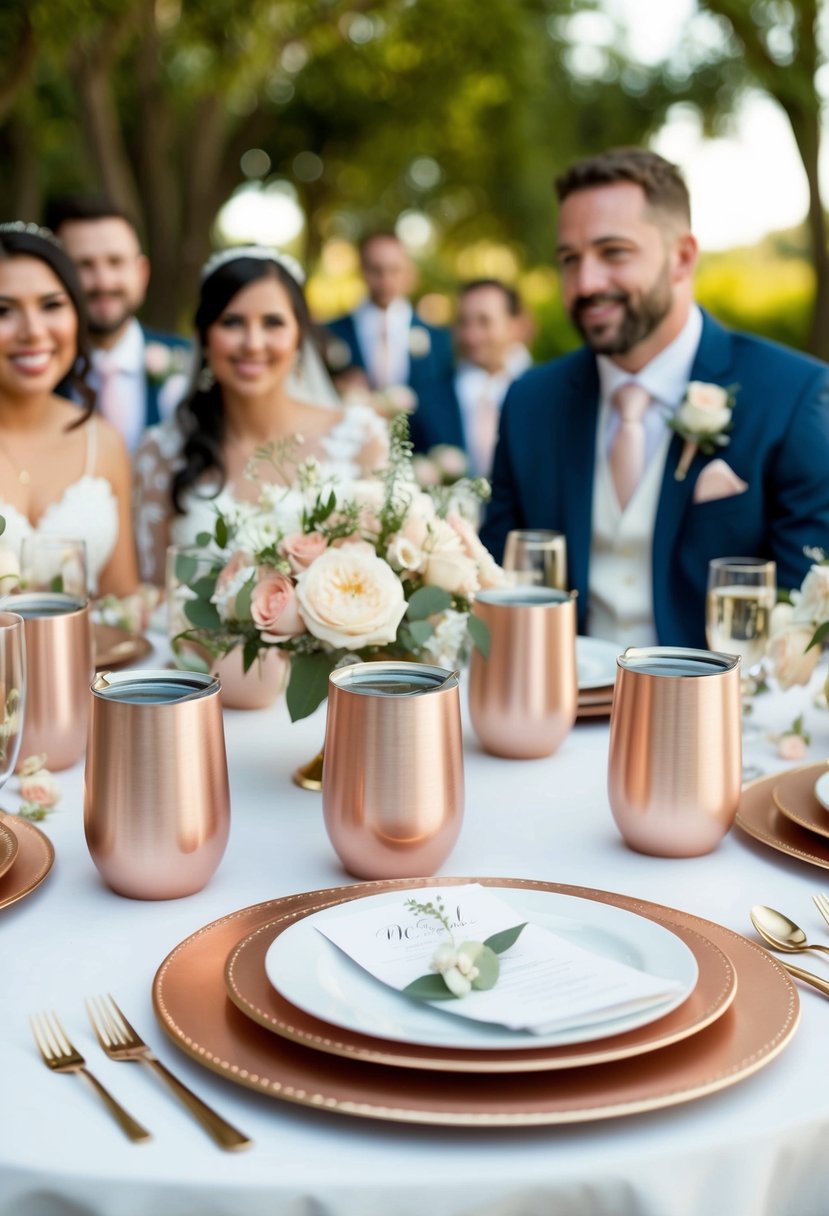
pixel 114 647
pixel 8 848
pixel 795 797
pixel 758 816
pixel 193 1008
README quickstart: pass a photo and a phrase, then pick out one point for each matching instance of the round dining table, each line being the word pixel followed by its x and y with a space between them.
pixel 757 1147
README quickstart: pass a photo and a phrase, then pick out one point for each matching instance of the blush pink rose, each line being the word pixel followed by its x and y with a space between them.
pixel 232 578
pixel 40 788
pixel 791 747
pixel 302 548
pixel 273 608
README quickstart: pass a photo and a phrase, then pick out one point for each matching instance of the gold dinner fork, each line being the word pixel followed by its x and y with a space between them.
pixel 121 1042
pixel 60 1055
pixel 822 905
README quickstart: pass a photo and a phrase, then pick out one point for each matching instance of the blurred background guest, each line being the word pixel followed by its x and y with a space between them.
pixel 257 361
pixel 463 408
pixel 63 472
pixel 138 374
pixel 383 338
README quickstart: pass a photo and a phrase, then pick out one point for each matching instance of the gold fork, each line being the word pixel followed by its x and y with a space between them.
pixel 60 1055
pixel 121 1042
pixel 822 905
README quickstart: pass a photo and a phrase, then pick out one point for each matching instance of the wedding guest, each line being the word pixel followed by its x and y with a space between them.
pixel 630 446
pixel 63 471
pixel 138 374
pixel 384 339
pixel 463 408
pixel 260 379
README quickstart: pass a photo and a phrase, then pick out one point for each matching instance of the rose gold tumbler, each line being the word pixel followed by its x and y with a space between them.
pixel 675 765
pixel 523 698
pixel 156 798
pixel 392 790
pixel 59 667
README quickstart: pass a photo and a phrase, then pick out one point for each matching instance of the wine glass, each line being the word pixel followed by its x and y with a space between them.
pixel 54 563
pixel 741 595
pixel 537 557
pixel 12 691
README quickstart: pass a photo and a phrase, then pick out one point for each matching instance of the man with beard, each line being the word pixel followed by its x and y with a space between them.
pixel 139 375
pixel 666 440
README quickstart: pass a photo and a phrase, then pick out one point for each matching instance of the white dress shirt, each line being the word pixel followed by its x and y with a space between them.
pixel 369 321
pixel 621 585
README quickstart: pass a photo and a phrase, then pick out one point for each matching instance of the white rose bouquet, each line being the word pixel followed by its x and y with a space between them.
pixel 328 573
pixel 800 627
pixel 703 420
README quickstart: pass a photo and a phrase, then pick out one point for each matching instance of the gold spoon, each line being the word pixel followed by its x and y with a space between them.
pixel 780 932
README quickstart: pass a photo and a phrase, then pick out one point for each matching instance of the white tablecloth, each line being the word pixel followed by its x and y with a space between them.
pixel 757 1148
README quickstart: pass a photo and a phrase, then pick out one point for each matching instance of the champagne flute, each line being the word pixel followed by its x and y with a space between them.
pixel 12 691
pixel 537 557
pixel 741 595
pixel 54 563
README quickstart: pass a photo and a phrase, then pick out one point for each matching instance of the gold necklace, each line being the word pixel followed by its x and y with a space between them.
pixel 23 475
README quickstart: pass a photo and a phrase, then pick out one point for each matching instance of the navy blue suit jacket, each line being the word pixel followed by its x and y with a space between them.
pixel 434 363
pixel 437 418
pixel 779 445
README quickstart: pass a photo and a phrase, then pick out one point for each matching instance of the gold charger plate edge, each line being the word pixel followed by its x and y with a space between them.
pixel 114 647
pixel 35 858
pixel 9 847
pixel 798 784
pixel 758 816
pixel 246 984
pixel 759 1024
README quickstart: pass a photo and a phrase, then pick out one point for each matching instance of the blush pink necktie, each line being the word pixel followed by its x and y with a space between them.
pixel 627 452
pixel 110 401
pixel 481 442
pixel 382 353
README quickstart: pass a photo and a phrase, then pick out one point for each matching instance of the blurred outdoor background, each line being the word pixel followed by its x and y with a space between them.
pixel 307 123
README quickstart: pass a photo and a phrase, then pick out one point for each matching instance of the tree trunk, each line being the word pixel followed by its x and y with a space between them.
pixel 103 133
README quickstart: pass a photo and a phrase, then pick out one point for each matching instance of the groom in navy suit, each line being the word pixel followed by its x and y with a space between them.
pixel 596 444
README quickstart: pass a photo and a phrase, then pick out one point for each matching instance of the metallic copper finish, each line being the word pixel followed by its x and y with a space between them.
pixel 523 698
pixel 257 688
pixel 537 557
pixel 393 787
pixel 156 797
pixel 675 765
pixel 760 817
pixel 35 858
pixel 59 666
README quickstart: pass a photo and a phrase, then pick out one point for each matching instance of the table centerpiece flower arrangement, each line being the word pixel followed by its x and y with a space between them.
pixel 330 573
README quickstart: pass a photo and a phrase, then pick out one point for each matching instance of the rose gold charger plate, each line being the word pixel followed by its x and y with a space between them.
pixel 250 990
pixel 8 848
pixel 193 1008
pixel 35 858
pixel 795 797
pixel 759 814
pixel 115 647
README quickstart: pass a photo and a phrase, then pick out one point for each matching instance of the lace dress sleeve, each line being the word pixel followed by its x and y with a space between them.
pixel 154 465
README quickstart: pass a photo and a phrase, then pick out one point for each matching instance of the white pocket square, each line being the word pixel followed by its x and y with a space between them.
pixel 718 480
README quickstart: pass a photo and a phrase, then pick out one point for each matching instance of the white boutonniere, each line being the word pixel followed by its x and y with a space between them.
pixel 162 361
pixel 703 420
pixel 420 343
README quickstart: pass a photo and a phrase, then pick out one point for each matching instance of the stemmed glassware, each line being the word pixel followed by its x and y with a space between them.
pixel 54 563
pixel 537 557
pixel 741 595
pixel 12 691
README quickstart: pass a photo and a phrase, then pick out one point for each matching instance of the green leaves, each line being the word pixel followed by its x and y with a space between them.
pixel 427 601
pixel 470 965
pixel 308 685
pixel 429 988
pixel 478 630
pixel 202 614
pixel 186 567
pixel 499 942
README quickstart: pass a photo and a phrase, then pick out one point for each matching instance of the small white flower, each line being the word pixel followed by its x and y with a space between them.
pixel 420 343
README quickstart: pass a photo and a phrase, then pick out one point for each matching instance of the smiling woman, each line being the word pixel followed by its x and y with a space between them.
pixel 62 472
pixel 250 390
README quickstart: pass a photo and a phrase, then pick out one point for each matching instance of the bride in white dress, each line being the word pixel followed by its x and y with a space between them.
pixel 62 472
pixel 259 381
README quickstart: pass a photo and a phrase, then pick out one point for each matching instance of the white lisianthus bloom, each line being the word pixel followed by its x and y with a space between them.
pixel 446 644
pixel 349 597
pixel 705 409
pixel 811 602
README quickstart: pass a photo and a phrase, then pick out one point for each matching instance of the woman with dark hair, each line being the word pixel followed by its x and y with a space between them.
pixel 259 380
pixel 63 472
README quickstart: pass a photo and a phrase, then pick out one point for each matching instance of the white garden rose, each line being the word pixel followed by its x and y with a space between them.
pixel 705 410
pixel 811 602
pixel 349 597
pixel 791 662
pixel 447 566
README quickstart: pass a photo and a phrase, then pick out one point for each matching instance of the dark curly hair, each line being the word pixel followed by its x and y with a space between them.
pixel 200 415
pixel 47 249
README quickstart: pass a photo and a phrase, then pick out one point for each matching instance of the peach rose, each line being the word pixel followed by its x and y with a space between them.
pixel 302 548
pixel 41 788
pixel 490 573
pixel 791 747
pixel 787 651
pixel 351 598
pixel 273 607
pixel 705 410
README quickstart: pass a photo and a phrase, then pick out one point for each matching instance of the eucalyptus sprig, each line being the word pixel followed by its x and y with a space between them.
pixel 458 969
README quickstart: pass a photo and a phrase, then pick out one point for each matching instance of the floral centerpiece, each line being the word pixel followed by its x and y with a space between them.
pixel 336 573
pixel 800 627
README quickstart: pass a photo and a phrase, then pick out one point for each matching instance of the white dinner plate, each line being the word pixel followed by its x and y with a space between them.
pixel 596 662
pixel 313 974
pixel 822 790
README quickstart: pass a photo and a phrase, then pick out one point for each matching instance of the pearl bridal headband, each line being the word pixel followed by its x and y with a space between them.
pixel 262 252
